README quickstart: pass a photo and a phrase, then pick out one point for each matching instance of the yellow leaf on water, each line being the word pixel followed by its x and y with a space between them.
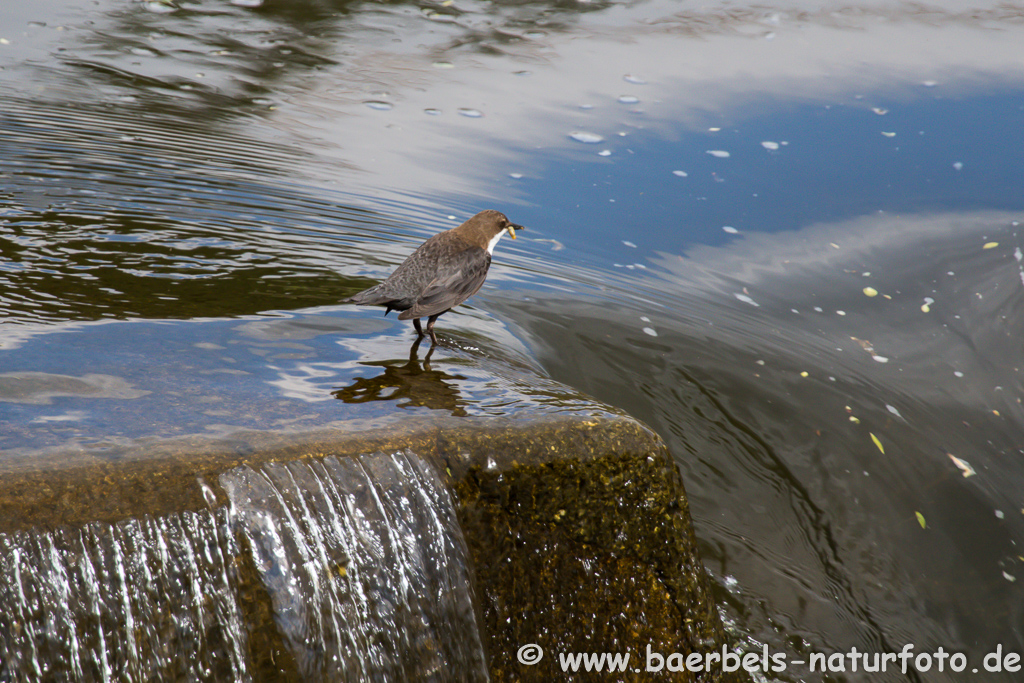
pixel 963 465
pixel 877 443
pixel 990 245
pixel 920 520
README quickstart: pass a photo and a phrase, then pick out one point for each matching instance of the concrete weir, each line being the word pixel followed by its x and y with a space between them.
pixel 404 549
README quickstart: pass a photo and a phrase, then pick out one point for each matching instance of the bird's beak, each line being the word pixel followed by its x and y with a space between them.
pixel 512 227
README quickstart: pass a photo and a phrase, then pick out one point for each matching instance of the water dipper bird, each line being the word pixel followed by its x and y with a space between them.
pixel 443 272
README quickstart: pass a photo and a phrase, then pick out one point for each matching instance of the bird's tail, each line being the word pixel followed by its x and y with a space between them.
pixel 375 297
pixel 367 297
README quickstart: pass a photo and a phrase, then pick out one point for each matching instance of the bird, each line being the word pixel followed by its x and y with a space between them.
pixel 443 272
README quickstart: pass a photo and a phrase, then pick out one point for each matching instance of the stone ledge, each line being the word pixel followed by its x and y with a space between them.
pixel 577 527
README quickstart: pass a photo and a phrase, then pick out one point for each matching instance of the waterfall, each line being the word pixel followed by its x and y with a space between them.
pixel 338 568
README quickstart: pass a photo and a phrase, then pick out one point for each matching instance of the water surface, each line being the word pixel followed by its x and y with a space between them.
pixel 785 237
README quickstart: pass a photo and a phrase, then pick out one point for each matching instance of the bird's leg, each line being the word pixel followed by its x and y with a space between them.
pixel 419 330
pixel 430 329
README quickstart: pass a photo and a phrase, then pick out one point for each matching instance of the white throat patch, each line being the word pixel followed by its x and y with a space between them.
pixel 494 240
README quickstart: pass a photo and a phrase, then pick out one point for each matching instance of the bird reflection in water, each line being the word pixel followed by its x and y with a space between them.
pixel 413 385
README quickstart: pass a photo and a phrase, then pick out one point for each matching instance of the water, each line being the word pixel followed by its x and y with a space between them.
pixel 188 193
pixel 365 565
pixel 122 602
pixel 183 596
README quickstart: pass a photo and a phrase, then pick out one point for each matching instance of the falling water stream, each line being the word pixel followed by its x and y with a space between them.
pixel 338 569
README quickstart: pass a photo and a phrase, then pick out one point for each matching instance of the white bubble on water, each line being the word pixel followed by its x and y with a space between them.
pixel 586 137
pixel 160 6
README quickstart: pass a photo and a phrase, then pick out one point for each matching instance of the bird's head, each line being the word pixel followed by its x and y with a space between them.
pixel 487 227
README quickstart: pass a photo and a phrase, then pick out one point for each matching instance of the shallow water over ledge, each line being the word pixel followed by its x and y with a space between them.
pixel 213 179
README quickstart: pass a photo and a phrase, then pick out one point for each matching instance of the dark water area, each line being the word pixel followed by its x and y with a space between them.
pixel 787 238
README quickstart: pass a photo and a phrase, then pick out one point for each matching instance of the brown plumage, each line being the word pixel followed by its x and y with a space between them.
pixel 443 272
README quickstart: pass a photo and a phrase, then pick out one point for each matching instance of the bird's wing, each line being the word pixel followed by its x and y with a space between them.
pixel 399 291
pixel 462 275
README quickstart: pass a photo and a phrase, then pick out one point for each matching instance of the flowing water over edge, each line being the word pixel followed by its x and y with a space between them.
pixel 360 564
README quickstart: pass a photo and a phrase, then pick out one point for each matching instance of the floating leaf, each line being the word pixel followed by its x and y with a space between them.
pixel 920 520
pixel 747 300
pixel 991 245
pixel 877 443
pixel 964 466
